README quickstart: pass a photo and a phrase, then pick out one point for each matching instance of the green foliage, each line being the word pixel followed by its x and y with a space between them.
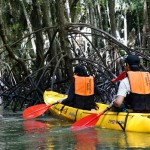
pixel 134 4
pixel 130 5
pixel 103 2
pixel 91 11
pixel 122 53
pixel 134 11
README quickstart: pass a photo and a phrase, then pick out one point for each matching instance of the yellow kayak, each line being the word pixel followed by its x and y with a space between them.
pixel 136 122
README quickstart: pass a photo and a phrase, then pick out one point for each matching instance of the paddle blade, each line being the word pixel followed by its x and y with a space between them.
pixel 35 111
pixel 86 122
pixel 120 77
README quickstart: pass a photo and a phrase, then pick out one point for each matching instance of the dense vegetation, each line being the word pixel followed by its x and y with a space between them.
pixel 41 41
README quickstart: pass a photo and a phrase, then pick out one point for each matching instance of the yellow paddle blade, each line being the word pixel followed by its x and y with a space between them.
pixel 51 97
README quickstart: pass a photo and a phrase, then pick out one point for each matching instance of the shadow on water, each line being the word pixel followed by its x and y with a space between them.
pixel 50 133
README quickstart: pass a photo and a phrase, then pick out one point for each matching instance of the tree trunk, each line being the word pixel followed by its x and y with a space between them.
pixel 10 52
pixel 29 26
pixel 73 10
pixel 148 21
pixel 36 23
pixel 47 23
pixel 145 25
pixel 125 28
pixel 111 5
pixel 63 34
pixel 68 11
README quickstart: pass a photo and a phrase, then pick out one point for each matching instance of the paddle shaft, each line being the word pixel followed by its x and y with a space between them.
pixel 98 115
pixel 120 77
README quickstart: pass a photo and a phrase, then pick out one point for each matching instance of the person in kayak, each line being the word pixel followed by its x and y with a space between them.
pixel 82 89
pixel 134 90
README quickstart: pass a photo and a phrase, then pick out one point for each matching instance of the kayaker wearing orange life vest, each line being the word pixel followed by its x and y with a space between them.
pixel 81 91
pixel 134 90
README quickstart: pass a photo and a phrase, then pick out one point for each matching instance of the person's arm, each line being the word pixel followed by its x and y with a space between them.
pixel 123 90
pixel 118 101
pixel 71 95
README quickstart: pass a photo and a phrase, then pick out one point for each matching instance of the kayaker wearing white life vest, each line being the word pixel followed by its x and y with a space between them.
pixel 134 90
pixel 81 91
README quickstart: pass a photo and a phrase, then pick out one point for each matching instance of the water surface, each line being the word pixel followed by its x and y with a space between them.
pixel 50 133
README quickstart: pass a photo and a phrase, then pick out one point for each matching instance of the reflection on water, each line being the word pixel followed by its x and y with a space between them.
pixel 86 139
pixel 122 140
pixel 50 133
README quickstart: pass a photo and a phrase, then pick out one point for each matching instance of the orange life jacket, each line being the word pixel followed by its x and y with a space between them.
pixel 139 82
pixel 84 85
pixel 139 97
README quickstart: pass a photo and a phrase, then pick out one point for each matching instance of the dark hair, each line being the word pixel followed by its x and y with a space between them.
pixel 80 70
pixel 134 67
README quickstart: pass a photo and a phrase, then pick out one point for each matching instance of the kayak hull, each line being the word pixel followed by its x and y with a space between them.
pixel 135 122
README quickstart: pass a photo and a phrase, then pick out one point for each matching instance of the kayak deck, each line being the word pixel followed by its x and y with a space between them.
pixel 136 122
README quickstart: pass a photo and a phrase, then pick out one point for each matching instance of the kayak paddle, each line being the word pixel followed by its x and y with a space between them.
pixel 90 120
pixel 35 111
pixel 119 77
pixel 50 98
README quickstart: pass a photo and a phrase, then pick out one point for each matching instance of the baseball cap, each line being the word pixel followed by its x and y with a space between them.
pixel 132 60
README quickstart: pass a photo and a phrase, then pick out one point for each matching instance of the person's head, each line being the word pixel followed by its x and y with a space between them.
pixel 133 62
pixel 80 70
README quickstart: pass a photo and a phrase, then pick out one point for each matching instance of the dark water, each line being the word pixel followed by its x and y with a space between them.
pixel 51 133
